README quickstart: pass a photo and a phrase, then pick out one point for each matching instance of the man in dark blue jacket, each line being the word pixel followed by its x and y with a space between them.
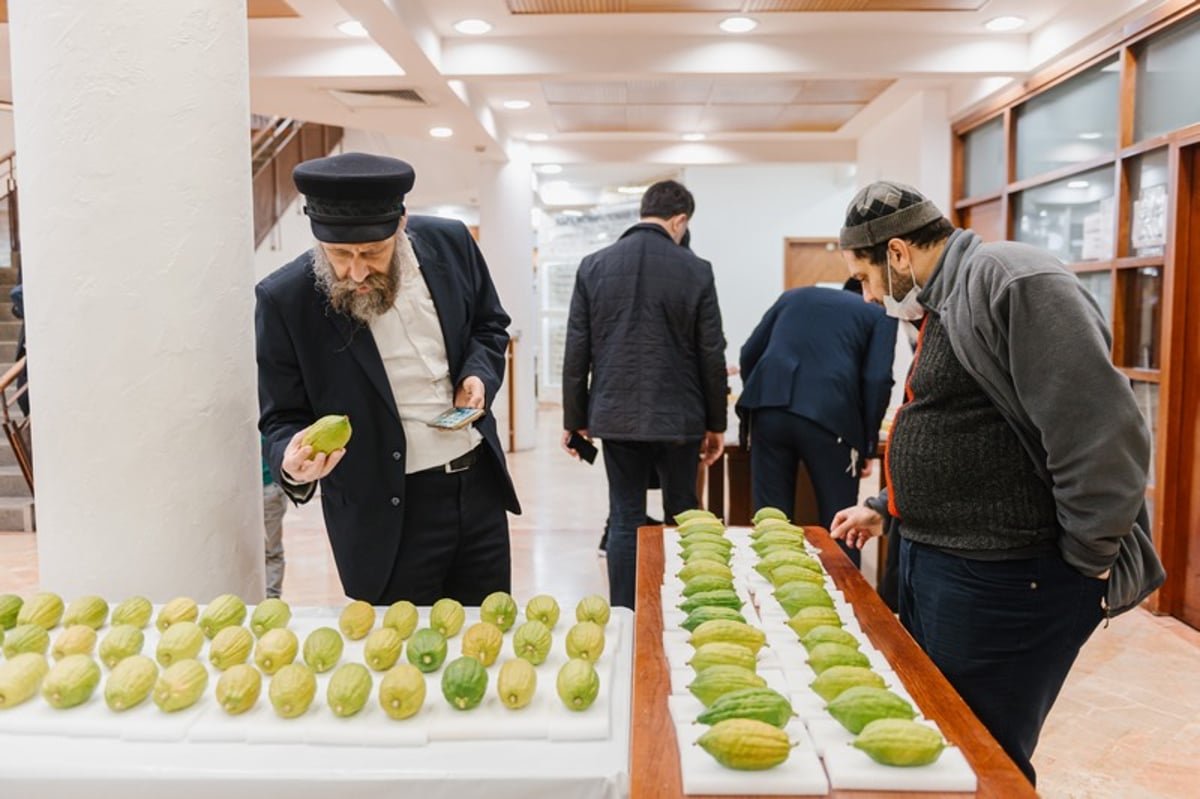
pixel 818 373
pixel 389 320
pixel 644 370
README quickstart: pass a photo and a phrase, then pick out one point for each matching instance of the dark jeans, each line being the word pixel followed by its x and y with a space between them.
pixel 628 465
pixel 1004 633
pixel 779 441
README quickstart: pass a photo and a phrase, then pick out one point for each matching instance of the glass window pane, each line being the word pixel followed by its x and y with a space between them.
pixel 1100 286
pixel 1073 122
pixel 1147 400
pixel 1147 177
pixel 983 158
pixel 1141 291
pixel 1072 218
pixel 1166 81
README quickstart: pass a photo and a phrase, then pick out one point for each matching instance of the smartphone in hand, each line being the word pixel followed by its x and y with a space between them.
pixel 456 418
pixel 586 449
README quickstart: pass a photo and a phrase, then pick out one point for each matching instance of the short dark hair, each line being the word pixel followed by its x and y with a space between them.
pixel 933 233
pixel 666 199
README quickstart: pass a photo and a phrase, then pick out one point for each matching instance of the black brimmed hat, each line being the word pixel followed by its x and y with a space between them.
pixel 354 197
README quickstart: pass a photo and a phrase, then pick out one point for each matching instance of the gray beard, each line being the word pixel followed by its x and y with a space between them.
pixel 343 294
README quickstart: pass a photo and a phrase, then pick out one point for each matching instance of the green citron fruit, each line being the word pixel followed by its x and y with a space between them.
pixel 543 608
pixel 796 595
pixel 781 557
pixel 593 608
pixel 703 614
pixel 292 690
pixel 707 582
pixel 807 619
pixel 426 650
pixel 402 617
pixel 238 688
pixel 26 638
pixel 91 611
pixel 20 677
pixel 230 647
pixel 900 742
pixel 516 683
pixel 349 689
pixel 760 704
pixel 78 639
pixel 767 525
pixel 130 682
pixel 855 708
pixel 500 609
pixel 464 683
pixel 180 685
pixel 731 632
pixel 71 681
pixel 225 611
pixel 532 641
pixel 578 684
pixel 120 642
pixel 746 744
pixel 270 614
pixel 835 679
pixel 181 608
pixel 402 691
pixel 585 641
pixel 722 597
pixel 791 573
pixel 356 620
pixel 276 649
pixel 699 553
pixel 694 513
pixel 323 649
pixel 720 653
pixel 181 641
pixel 382 648
pixel 767 512
pixel 327 434
pixel 828 634
pixel 695 568
pixel 716 681
pixel 717 540
pixel 483 641
pixel 135 611
pixel 447 617
pixel 824 656
pixel 44 609
pixel 10 606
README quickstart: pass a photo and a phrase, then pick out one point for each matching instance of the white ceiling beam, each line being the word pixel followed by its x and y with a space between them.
pixel 744 150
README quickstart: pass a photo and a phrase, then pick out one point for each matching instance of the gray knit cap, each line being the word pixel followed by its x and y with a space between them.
pixel 885 210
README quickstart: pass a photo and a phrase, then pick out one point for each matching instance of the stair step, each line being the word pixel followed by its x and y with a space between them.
pixel 16 514
pixel 12 482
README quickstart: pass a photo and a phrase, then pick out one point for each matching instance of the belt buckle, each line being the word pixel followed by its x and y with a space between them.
pixel 466 462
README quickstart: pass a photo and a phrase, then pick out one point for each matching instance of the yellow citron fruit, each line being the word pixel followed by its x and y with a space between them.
pixel 327 434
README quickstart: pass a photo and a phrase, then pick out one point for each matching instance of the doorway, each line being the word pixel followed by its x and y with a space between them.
pixel 807 262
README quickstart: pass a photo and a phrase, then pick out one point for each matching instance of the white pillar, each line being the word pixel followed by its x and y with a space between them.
pixel 133 159
pixel 506 238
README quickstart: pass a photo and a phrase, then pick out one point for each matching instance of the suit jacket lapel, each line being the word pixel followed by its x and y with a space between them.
pixel 445 299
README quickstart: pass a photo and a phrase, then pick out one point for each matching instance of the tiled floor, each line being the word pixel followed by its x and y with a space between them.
pixel 1127 725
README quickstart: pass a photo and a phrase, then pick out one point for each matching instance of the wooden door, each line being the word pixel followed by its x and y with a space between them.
pixel 986 219
pixel 807 262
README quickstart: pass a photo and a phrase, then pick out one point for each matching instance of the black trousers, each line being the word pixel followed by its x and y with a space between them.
pixel 1003 632
pixel 779 442
pixel 628 465
pixel 455 541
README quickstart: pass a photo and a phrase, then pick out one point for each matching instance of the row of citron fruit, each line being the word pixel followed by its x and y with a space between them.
pixel 855 695
pixel 745 717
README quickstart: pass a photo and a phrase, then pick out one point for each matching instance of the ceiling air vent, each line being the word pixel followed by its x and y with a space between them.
pixel 378 98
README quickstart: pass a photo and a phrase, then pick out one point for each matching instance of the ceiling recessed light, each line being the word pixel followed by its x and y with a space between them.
pixel 1091 135
pixel 352 27
pixel 517 105
pixel 441 132
pixel 1078 184
pixel 1003 24
pixel 738 24
pixel 472 27
pixel 693 137
pixel 549 169
pixel 537 136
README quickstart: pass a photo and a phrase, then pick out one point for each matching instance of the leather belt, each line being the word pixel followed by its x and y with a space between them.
pixel 459 464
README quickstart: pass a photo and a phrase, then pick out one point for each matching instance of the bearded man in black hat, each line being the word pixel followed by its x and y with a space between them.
pixel 1016 466
pixel 389 320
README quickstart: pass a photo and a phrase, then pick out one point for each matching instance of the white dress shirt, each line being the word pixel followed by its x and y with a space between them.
pixel 409 338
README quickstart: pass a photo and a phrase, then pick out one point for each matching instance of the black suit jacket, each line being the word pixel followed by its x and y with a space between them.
pixel 314 361
pixel 826 355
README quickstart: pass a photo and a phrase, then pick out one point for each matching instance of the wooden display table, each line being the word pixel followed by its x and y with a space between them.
pixel 654 763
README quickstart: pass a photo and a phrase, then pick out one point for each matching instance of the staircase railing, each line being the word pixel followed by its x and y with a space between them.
pixel 8 184
pixel 275 149
pixel 16 426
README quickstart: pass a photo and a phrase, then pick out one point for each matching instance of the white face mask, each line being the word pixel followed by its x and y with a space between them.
pixel 908 307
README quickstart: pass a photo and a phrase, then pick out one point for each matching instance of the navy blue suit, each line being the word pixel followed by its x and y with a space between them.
pixel 314 361
pixel 817 374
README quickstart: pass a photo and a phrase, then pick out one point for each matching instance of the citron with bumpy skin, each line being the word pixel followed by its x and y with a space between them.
pixel 44 609
pixel 71 681
pixel 349 689
pixel 180 685
pixel 270 614
pixel 746 744
pixel 136 611
pixel 543 608
pixel 578 684
pixel 230 647
pixel 483 641
pixel 130 682
pixel 447 617
pixel 356 620
pixel 120 642
pixel 327 434
pixel 20 677
pixel 593 608
pixel 181 608
pixel 900 742
pixel 516 683
pixel 91 611
pixel 323 649
pixel 402 691
pixel 292 690
pixel 238 688
pixel 276 649
pixel 500 609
